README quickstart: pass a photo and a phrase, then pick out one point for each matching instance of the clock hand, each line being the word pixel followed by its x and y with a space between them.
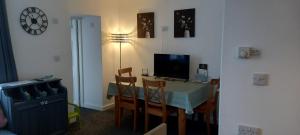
pixel 37 16
pixel 31 16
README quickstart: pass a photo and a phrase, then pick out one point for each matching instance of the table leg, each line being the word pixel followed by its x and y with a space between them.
pixel 181 122
pixel 117 119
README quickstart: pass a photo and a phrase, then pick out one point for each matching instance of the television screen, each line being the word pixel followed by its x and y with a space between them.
pixel 172 65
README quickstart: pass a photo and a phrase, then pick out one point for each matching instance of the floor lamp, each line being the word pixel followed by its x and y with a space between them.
pixel 120 38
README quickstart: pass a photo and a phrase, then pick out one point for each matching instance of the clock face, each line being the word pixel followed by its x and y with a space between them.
pixel 34 21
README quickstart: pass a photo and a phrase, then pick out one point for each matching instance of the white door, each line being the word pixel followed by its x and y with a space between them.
pixel 87 62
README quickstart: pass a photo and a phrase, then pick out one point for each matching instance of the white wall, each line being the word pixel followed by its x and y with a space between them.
pixel 35 55
pixel 204 48
pixel 269 25
pixel 273 27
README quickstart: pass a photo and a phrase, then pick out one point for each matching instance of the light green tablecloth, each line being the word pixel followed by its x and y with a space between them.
pixel 185 95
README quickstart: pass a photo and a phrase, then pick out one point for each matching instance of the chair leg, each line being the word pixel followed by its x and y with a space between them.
pixel 215 118
pixel 146 122
pixel 119 117
pixel 164 119
pixel 207 119
pixel 134 119
pixel 117 109
pixel 193 116
pixel 141 106
pixel 121 112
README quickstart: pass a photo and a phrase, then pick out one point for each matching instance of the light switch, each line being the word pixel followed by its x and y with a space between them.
pixel 55 20
pixel 56 58
pixel 260 79
pixel 164 28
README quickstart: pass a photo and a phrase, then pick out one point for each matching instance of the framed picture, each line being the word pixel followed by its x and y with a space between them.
pixel 184 23
pixel 145 25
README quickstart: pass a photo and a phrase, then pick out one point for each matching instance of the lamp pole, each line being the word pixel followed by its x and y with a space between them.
pixel 120 54
pixel 119 38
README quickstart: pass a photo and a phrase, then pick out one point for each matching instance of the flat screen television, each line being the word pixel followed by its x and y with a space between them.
pixel 172 65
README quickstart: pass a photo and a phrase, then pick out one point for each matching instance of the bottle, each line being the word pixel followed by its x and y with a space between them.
pixel 25 94
pixel 203 72
pixel 145 72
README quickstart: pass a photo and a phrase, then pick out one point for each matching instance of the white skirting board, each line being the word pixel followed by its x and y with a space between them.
pixel 90 106
pixel 108 106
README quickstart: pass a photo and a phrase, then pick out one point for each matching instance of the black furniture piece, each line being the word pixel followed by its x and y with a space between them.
pixel 36 107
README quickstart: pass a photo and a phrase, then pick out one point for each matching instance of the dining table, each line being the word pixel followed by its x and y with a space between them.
pixel 183 95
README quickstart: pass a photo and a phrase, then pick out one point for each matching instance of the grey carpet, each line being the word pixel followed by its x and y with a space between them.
pixel 102 123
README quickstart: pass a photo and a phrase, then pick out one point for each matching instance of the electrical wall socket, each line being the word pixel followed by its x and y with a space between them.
pixel 260 79
pixel 244 52
pixel 247 130
pixel 247 52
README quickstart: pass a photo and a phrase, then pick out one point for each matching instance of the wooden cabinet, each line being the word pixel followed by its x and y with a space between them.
pixel 35 107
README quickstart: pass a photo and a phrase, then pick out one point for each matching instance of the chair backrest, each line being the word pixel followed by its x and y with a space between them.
pixel 213 92
pixel 126 88
pixel 124 71
pixel 154 94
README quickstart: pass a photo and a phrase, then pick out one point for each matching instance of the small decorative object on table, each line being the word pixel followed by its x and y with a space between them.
pixel 25 94
pixel 202 73
pixel 145 72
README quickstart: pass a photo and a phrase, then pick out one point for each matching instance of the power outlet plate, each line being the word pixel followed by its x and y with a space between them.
pixel 244 52
pixel 247 52
pixel 260 79
pixel 247 130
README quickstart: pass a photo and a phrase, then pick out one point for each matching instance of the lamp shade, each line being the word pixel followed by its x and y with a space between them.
pixel 120 38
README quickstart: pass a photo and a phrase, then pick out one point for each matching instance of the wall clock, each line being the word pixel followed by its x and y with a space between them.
pixel 34 21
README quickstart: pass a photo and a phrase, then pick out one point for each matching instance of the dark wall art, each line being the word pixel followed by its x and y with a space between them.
pixel 145 25
pixel 184 23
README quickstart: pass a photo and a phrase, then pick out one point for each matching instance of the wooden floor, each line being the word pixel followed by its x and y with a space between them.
pixel 102 123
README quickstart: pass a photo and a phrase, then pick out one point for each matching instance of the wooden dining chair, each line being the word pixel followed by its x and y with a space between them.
pixel 127 98
pixel 128 72
pixel 210 105
pixel 123 71
pixel 155 103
